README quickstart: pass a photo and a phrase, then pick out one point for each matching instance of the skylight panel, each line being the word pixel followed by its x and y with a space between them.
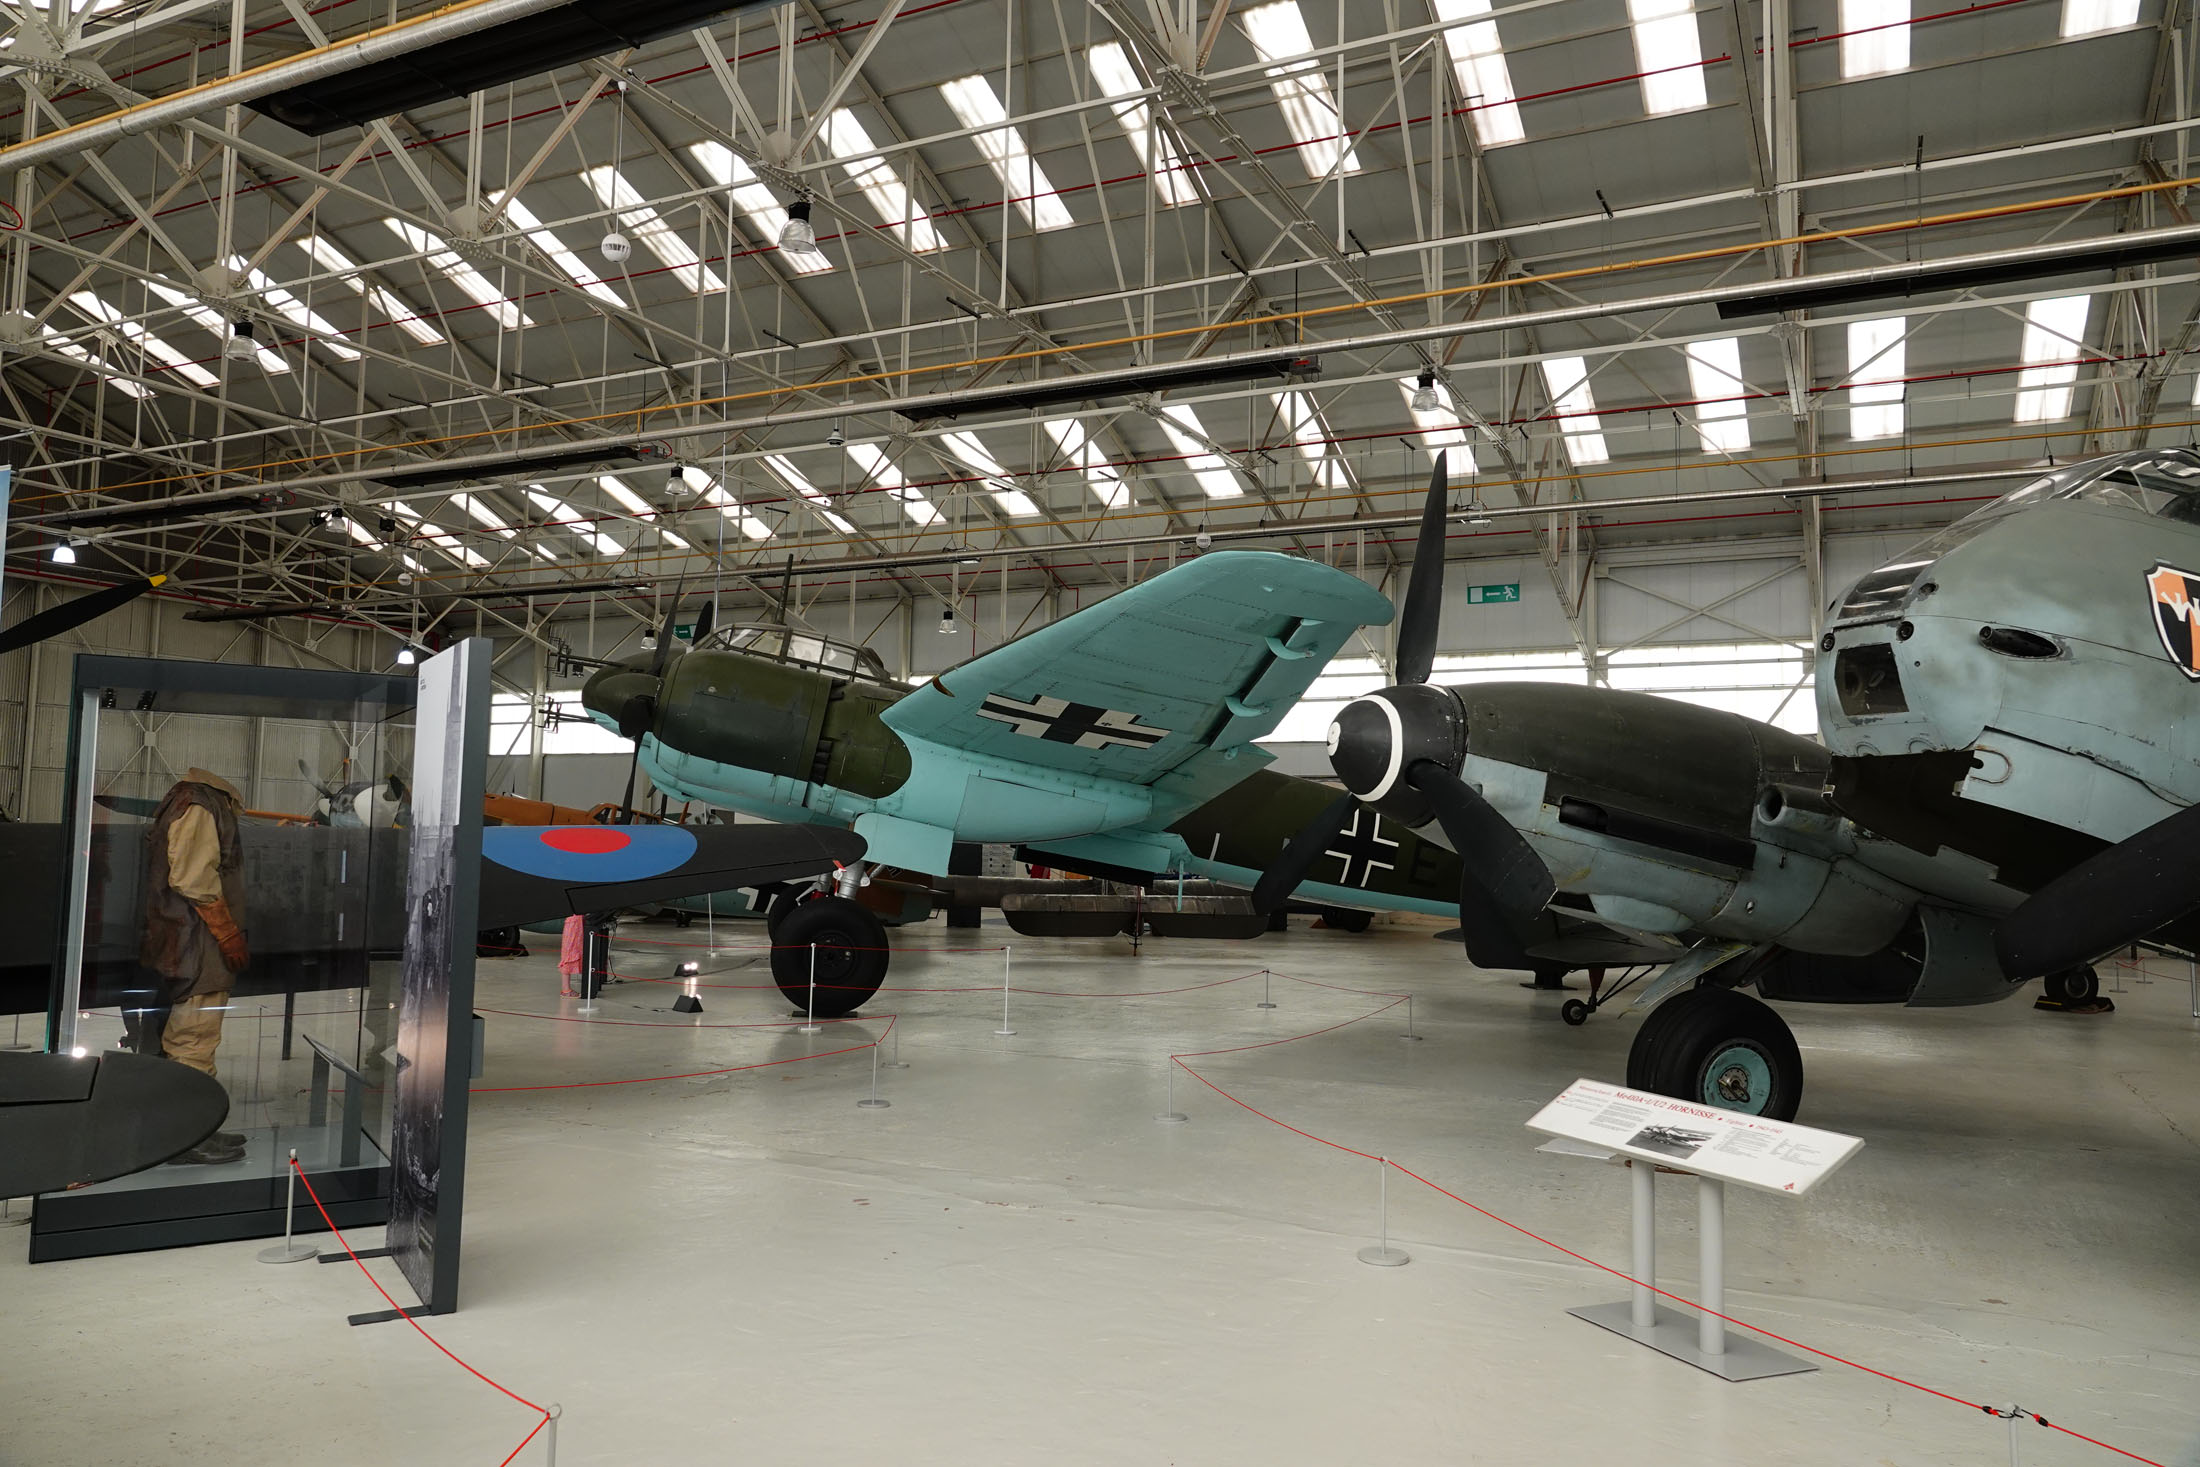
pixel 1183 428
pixel 576 268
pixel 1112 73
pixel 441 256
pixel 153 346
pixel 404 317
pixel 296 311
pixel 976 105
pixel 1875 37
pixel 489 520
pixel 1302 422
pixel 271 361
pixel 62 346
pixel 2087 17
pixel 897 210
pixel 570 520
pixel 1877 364
pixel 639 507
pixel 714 494
pixel 726 168
pixel 441 539
pixel 796 480
pixel 1567 379
pixel 1100 476
pixel 1715 381
pixel 2054 334
pixel 1302 91
pixel 1442 428
pixel 366 538
pixel 880 470
pixel 1668 53
pixel 1478 64
pixel 998 483
pixel 651 229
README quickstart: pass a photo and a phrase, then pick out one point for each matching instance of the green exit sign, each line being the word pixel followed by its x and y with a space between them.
pixel 685 631
pixel 1476 595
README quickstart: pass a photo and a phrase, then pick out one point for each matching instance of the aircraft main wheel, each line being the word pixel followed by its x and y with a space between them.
pixel 1346 919
pixel 2074 985
pixel 1717 1047
pixel 683 919
pixel 851 956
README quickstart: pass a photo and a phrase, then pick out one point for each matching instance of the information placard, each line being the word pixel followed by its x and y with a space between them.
pixel 1772 1156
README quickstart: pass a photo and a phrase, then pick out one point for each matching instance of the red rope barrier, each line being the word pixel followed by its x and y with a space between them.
pixel 345 1242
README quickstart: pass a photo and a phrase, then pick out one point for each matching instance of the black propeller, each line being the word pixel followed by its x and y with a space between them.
pixel 2113 897
pixel 640 710
pixel 74 613
pixel 1397 752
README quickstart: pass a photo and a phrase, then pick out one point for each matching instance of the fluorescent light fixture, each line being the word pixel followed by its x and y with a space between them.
pixel 504 311
pixel 296 311
pixel 714 494
pixel 641 508
pixel 2088 17
pixel 1478 66
pixel 1875 37
pixel 897 210
pixel 570 520
pixel 726 168
pixel 650 228
pixel 1112 73
pixel 796 480
pixel 1567 380
pixel 1183 429
pixel 1668 53
pixel 1714 373
pixel 153 346
pixel 402 316
pixel 1278 30
pixel 1877 363
pixel 2054 333
pixel 213 321
pixel 1440 425
pixel 573 265
pixel 880 470
pixel 998 483
pixel 975 105
pixel 1077 446
pixel 60 345
pixel 1303 422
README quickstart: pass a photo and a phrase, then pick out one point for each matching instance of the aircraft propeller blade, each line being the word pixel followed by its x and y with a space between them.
pixel 1424 603
pixel 664 641
pixel 74 613
pixel 1492 853
pixel 2113 897
pixel 1299 854
pixel 704 621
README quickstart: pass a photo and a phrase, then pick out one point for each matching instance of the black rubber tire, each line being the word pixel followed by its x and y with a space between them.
pixel 788 899
pixel 1574 1012
pixel 1716 1047
pixel 1346 919
pixel 2074 985
pixel 851 956
pixel 683 919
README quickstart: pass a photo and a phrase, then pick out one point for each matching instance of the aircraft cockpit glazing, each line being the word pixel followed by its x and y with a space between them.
pixel 802 649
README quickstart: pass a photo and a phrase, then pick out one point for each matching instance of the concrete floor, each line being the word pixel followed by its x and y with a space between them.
pixel 1016 1264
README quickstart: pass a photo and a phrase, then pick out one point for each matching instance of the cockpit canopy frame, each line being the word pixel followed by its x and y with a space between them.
pixel 775 643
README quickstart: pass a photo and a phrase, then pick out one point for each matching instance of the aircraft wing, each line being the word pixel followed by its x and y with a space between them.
pixel 1209 655
pixel 537 873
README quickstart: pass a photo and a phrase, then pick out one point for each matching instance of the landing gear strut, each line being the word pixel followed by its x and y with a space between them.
pixel 1717 1047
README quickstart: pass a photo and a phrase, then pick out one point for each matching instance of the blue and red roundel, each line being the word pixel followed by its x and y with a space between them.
pixel 589 852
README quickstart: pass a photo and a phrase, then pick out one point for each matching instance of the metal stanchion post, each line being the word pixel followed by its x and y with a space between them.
pixel 1645 1315
pixel 1264 1003
pixel 1409 1034
pixel 809 1022
pixel 1711 1264
pixel 1007 953
pixel 873 1103
pixel 1170 1115
pixel 288 1251
pixel 1382 1255
pixel 550 1431
pixel 2192 969
pixel 17 1042
pixel 897 1062
pixel 2013 1415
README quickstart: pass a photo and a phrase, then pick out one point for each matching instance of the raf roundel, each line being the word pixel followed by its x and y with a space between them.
pixel 589 852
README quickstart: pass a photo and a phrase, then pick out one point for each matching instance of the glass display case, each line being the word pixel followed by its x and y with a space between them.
pixel 229 880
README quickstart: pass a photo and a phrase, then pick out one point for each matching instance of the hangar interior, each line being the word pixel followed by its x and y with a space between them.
pixel 922 328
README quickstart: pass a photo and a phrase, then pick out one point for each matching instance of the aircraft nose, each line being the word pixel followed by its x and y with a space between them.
pixel 625 694
pixel 1375 739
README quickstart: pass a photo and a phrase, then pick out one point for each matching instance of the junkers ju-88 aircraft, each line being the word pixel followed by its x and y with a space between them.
pixel 2006 790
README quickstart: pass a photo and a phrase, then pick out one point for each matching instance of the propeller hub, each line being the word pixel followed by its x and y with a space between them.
pixel 1374 740
pixel 624 696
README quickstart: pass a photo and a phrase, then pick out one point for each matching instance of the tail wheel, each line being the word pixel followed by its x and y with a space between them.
pixel 1720 1048
pixel 2074 985
pixel 849 944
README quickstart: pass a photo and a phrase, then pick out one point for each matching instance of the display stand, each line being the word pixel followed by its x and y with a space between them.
pixel 1652 1133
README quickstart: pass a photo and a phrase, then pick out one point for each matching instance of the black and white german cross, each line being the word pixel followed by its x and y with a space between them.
pixel 1363 841
pixel 1059 721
